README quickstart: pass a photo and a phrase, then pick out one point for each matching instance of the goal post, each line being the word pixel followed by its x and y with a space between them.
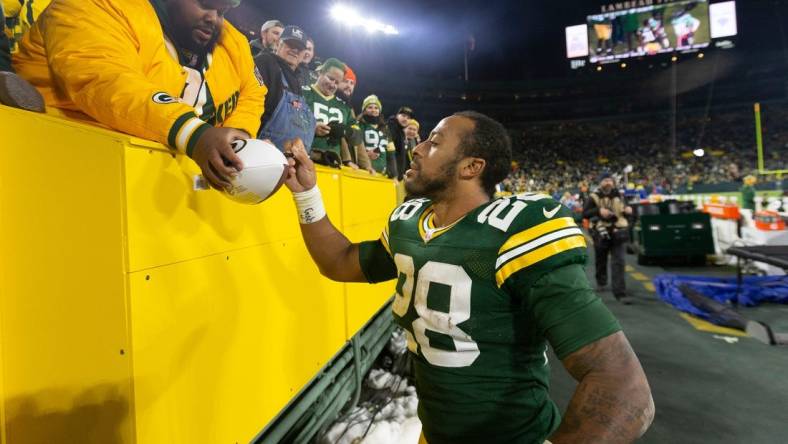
pixel 759 145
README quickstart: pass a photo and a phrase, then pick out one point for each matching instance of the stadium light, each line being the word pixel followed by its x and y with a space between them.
pixel 346 15
pixel 350 17
pixel 700 152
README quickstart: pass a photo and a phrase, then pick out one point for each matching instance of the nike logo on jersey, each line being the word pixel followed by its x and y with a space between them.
pixel 551 213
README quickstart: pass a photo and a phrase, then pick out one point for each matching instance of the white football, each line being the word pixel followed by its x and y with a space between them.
pixel 265 170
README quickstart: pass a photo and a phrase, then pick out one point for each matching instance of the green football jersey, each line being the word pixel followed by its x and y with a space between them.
pixel 479 300
pixel 327 110
pixel 376 138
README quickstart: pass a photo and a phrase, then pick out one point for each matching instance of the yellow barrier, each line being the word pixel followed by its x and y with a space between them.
pixel 135 309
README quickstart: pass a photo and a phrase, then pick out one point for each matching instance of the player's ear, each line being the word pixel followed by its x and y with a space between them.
pixel 471 167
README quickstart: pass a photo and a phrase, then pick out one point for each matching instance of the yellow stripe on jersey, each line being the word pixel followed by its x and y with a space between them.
pixel 534 232
pixel 423 222
pixel 537 255
pixel 384 239
pixel 427 229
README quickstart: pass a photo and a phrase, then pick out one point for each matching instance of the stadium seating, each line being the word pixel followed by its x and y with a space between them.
pixel 557 156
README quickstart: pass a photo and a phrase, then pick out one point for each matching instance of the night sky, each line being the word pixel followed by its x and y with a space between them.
pixel 515 40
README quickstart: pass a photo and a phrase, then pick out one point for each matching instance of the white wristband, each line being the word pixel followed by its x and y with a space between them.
pixel 309 204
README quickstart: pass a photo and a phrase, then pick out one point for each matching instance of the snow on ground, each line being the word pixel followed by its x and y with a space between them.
pixel 392 411
pixel 387 415
pixel 386 432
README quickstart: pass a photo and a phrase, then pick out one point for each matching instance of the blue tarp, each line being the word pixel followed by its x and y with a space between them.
pixel 754 290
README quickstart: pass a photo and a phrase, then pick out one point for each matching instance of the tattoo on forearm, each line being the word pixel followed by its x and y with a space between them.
pixel 612 403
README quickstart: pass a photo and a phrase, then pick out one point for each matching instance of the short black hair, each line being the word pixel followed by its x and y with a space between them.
pixel 490 141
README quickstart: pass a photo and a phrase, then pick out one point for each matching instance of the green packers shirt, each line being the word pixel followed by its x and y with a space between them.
pixel 376 138
pixel 327 110
pixel 479 300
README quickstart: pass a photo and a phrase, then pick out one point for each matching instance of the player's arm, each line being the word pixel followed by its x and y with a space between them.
pixel 612 402
pixel 335 256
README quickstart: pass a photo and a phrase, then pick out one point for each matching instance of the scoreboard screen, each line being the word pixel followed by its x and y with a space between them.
pixel 663 27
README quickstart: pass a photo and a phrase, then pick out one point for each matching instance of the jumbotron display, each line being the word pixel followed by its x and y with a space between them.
pixel 651 30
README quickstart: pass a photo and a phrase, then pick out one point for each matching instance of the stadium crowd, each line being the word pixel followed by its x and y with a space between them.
pixel 560 156
pixel 302 95
pixel 124 74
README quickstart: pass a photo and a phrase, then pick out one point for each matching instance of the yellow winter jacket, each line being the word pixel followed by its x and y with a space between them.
pixel 109 59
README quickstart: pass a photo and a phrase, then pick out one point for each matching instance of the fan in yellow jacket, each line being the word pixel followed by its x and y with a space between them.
pixel 172 71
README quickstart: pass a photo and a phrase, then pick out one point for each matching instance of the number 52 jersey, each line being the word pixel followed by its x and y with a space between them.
pixel 479 300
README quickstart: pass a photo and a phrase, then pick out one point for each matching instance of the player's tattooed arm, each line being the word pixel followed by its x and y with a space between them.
pixel 612 402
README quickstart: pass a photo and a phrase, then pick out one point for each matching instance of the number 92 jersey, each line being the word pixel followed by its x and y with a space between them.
pixel 479 300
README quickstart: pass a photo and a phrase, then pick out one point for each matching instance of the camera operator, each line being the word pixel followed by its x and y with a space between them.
pixel 609 228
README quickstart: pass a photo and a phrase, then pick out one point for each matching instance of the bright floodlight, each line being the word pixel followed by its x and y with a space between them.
pixel 700 152
pixel 350 17
pixel 344 14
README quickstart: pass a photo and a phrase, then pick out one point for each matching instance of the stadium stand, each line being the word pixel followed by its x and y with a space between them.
pixel 546 152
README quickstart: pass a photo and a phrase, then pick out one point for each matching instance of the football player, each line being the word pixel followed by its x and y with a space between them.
pixel 483 286
pixel 656 26
pixel 684 26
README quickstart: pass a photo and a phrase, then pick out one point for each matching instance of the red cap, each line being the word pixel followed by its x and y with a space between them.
pixel 349 74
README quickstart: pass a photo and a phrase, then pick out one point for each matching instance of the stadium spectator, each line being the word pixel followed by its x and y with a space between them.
pixel 748 193
pixel 358 157
pixel 607 212
pixel 150 81
pixel 269 37
pixel 347 87
pixel 354 139
pixel 309 54
pixel 377 141
pixel 412 139
pixel 14 91
pixel 582 195
pixel 569 201
pixel 307 69
pixel 287 114
pixel 396 125
pixel 333 116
